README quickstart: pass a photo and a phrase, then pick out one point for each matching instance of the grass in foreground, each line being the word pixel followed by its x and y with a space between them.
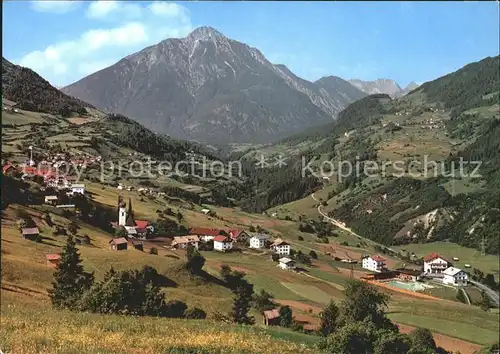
pixel 27 326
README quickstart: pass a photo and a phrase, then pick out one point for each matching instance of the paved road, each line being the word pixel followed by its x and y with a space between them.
pixel 491 293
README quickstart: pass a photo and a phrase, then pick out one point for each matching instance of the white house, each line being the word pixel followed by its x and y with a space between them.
pixel 435 264
pixel 258 240
pixel 51 199
pixel 373 263
pixel 455 276
pixel 281 247
pixel 223 243
pixel 286 263
pixel 205 211
pixel 77 188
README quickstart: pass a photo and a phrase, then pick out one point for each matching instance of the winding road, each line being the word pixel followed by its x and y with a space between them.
pixel 343 227
pixel 491 293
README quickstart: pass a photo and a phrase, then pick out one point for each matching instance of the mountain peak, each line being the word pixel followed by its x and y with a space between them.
pixel 204 32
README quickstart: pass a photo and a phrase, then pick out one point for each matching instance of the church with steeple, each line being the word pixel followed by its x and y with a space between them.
pixel 135 228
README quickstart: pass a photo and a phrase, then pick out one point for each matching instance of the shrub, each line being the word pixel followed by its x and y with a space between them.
pixel 195 313
pixel 153 250
pixel 300 238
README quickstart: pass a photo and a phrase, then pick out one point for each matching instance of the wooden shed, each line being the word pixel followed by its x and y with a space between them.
pixel 30 233
pixel 118 244
pixel 53 260
pixel 271 317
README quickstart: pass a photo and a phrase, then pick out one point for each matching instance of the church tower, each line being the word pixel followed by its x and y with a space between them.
pixel 122 211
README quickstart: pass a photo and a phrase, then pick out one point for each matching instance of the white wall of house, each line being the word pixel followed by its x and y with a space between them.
pixel 459 279
pixel 371 264
pixel 256 242
pixel 222 246
pixel 436 266
pixel 282 250
pixel 286 266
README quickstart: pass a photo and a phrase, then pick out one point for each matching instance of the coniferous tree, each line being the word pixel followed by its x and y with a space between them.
pixel 70 280
pixel 286 316
pixel 329 317
pixel 243 293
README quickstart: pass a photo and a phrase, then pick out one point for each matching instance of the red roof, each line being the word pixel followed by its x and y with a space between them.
pixel 235 233
pixel 7 167
pixel 378 259
pixel 53 256
pixel 29 170
pixel 221 239
pixel 271 314
pixel 206 231
pixel 118 241
pixel 432 256
pixel 141 224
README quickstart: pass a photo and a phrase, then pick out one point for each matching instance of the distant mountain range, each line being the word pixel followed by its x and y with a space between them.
pixel 213 89
pixel 387 86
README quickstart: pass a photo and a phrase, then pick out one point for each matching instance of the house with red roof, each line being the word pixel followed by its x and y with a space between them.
pixel 435 264
pixel 374 263
pixel 239 235
pixel 207 234
pixel 223 243
pixel 9 169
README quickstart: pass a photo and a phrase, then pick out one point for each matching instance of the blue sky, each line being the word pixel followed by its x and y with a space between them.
pixel 406 41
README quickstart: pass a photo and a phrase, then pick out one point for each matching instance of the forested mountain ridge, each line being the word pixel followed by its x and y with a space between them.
pixel 33 93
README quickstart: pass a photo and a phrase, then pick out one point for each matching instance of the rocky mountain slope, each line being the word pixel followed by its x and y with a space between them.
pixel 387 86
pixel 213 89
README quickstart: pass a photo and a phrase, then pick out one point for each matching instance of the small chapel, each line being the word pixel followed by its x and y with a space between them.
pixel 134 227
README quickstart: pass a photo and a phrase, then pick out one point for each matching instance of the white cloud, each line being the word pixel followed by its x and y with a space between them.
pixel 98 9
pixel 111 10
pixel 58 7
pixel 56 58
pixel 87 68
pixel 64 62
pixel 167 9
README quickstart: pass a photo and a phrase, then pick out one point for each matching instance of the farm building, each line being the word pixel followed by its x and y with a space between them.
pixel 30 233
pixel 207 234
pixel 181 242
pixel 271 317
pixel 138 245
pixel 286 263
pixel 223 243
pixel 454 276
pixel 51 199
pixel 118 244
pixel 239 235
pixel 53 260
